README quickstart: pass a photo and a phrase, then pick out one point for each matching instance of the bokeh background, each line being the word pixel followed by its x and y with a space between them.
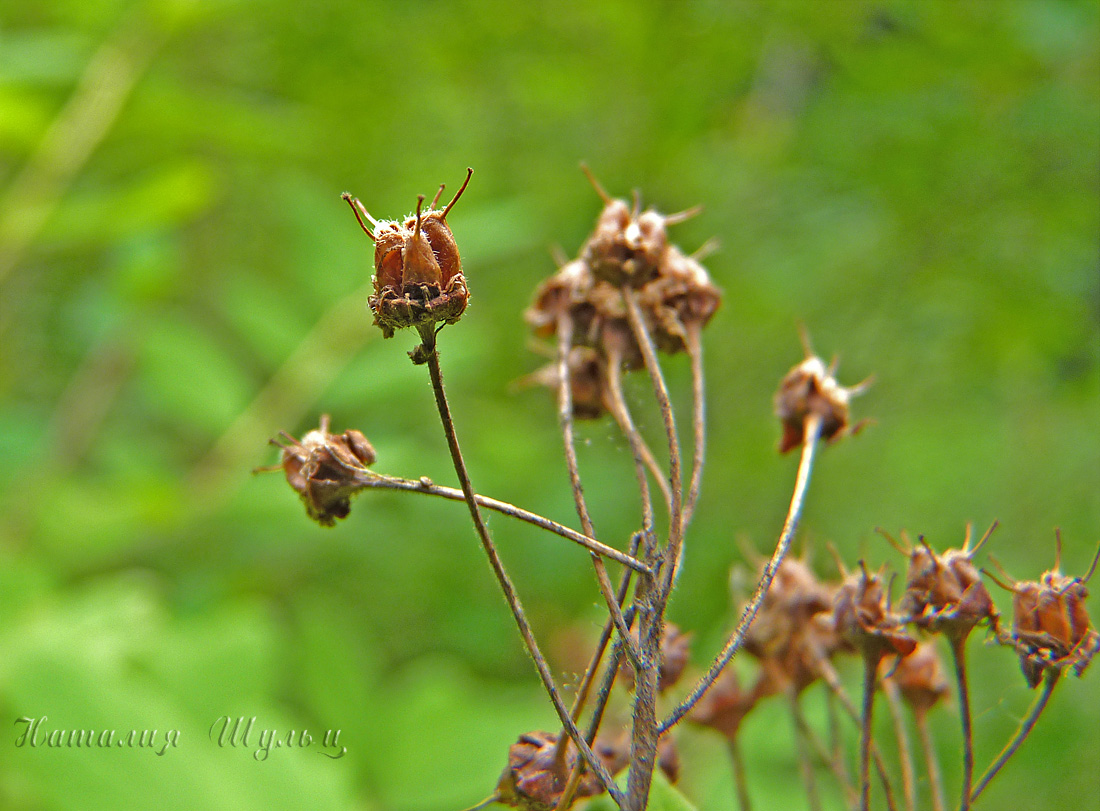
pixel 917 182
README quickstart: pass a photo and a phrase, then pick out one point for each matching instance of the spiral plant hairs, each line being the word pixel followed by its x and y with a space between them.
pixel 630 297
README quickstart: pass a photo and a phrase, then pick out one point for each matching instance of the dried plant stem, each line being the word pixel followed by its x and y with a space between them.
pixel 740 778
pixel 931 759
pixel 565 419
pixel 622 416
pixel 1021 733
pixel 832 760
pixel 908 782
pixel 698 417
pixel 870 672
pixel 369 479
pixel 832 680
pixel 429 349
pixel 737 638
pixel 802 744
pixel 958 655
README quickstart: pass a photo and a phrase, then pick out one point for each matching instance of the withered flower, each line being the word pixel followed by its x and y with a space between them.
pixel 920 677
pixel 586 381
pixel 863 617
pixel 323 469
pixel 945 592
pixel 1051 629
pixel 534 778
pixel 418 279
pixel 810 388
pixel 681 296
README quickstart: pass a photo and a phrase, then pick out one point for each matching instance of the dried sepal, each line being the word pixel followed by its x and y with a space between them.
pixel 920 677
pixel 418 280
pixel 810 388
pixel 535 778
pixel 680 297
pixel 944 592
pixel 864 619
pixel 325 469
pixel 1051 629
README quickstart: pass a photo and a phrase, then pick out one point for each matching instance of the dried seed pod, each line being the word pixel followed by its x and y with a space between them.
pixel 586 382
pixel 920 677
pixel 1051 629
pixel 418 277
pixel 534 778
pixel 724 705
pixel 810 388
pixel 863 617
pixel 945 592
pixel 681 296
pixel 323 468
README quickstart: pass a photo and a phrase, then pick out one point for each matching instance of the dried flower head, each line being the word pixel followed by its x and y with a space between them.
pixel 864 619
pixel 418 277
pixel 810 388
pixel 680 297
pixel 323 468
pixel 920 677
pixel 586 382
pixel 724 705
pixel 945 592
pixel 1051 629
pixel 535 779
pixel 627 247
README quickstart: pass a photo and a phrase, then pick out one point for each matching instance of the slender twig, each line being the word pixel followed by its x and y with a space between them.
pixel 429 349
pixel 908 782
pixel 565 419
pixel 737 638
pixel 613 374
pixel 698 417
pixel 369 479
pixel 805 762
pixel 871 660
pixel 740 778
pixel 931 759
pixel 1021 733
pixel 832 680
pixel 830 759
pixel 958 654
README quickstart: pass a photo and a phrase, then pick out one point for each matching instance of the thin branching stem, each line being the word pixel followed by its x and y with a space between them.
pixel 931 759
pixel 958 656
pixel 830 759
pixel 802 744
pixel 740 777
pixel 737 638
pixel 621 412
pixel 698 417
pixel 1021 733
pixel 908 782
pixel 369 479
pixel 429 349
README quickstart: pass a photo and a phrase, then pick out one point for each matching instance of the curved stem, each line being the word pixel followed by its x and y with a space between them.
pixel 428 337
pixel 698 418
pixel 369 479
pixel 958 655
pixel 908 783
pixel 737 639
pixel 931 760
pixel 740 779
pixel 1021 733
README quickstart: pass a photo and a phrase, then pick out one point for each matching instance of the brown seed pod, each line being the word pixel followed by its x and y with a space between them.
pixel 724 705
pixel 920 677
pixel 680 296
pixel 323 467
pixel 1050 624
pixel 535 779
pixel 811 388
pixel 418 277
pixel 586 381
pixel 863 617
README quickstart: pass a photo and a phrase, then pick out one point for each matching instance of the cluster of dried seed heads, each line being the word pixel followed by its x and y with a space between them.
pixel 418 279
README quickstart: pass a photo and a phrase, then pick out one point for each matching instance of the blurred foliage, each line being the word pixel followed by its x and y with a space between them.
pixel 916 181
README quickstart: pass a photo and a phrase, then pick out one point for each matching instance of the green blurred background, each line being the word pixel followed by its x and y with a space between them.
pixel 916 181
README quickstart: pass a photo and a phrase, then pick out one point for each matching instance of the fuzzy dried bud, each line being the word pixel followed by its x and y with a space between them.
pixel 534 779
pixel 920 677
pixel 324 469
pixel 1050 624
pixel 626 247
pixel 864 620
pixel 418 279
pixel 945 592
pixel 810 388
